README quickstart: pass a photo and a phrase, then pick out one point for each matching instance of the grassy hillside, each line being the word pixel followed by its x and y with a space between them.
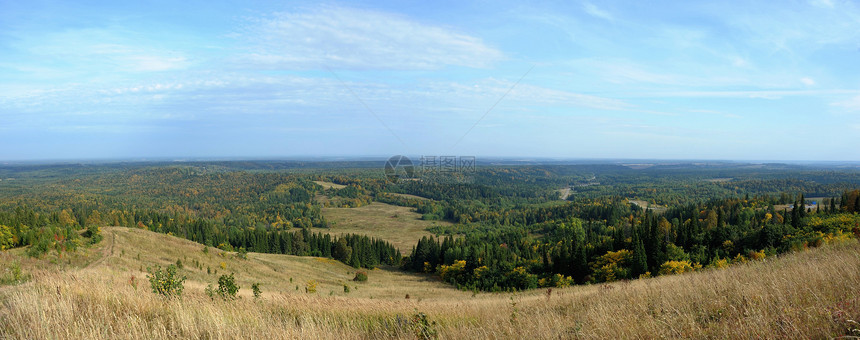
pixel 401 226
pixel 91 294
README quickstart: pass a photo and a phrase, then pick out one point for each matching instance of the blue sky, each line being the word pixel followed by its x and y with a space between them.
pixel 756 80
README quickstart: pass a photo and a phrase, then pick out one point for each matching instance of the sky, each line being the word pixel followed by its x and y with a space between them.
pixel 727 80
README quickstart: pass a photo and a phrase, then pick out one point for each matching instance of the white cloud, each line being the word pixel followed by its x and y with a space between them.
pixel 493 89
pixel 822 3
pixel 89 52
pixel 151 63
pixel 754 94
pixel 851 104
pixel 798 32
pixel 359 39
pixel 718 113
pixel 594 11
pixel 626 72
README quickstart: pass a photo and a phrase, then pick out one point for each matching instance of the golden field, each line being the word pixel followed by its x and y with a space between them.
pixel 102 292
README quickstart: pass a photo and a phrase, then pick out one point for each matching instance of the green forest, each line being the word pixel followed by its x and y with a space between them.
pixel 511 228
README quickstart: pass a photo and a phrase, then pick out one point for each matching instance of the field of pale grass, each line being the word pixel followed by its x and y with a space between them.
pixel 810 294
pixel 401 226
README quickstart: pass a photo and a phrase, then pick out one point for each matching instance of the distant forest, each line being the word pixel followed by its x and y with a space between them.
pixel 511 228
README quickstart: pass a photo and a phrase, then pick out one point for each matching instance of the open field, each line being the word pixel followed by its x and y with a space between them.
pixel 399 225
pixel 330 185
pixel 809 294
pixel 646 205
pixel 409 196
pixel 564 193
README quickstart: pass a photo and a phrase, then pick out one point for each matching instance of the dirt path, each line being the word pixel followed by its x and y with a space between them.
pixel 565 193
pixel 107 251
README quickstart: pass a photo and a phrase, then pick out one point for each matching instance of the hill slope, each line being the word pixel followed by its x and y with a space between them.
pixel 91 295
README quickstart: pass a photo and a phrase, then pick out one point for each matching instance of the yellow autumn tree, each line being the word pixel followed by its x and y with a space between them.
pixel 677 267
pixel 95 219
pixel 454 272
pixel 7 240
pixel 66 218
pixel 612 266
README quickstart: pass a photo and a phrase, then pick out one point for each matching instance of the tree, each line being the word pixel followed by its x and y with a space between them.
pixel 7 240
pixel 342 251
pixel 711 220
pixel 95 219
pixel 640 258
pixel 66 219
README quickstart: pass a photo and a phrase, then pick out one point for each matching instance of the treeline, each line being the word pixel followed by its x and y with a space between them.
pixel 354 250
pixel 61 232
pixel 262 212
pixel 851 201
pixel 238 199
pixel 610 246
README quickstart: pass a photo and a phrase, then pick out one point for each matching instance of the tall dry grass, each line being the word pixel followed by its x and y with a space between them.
pixel 810 294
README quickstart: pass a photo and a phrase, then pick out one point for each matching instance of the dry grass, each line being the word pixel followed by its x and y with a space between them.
pixel 399 225
pixel 410 196
pixel 646 205
pixel 330 185
pixel 790 297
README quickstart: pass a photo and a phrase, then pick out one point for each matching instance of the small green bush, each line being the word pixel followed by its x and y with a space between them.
pixel 227 287
pixel 360 276
pixel 422 327
pixel 41 246
pixel 13 275
pixel 94 234
pixel 165 281
pixel 255 287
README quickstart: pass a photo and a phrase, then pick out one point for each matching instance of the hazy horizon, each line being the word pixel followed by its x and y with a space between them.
pixel 741 81
pixel 416 159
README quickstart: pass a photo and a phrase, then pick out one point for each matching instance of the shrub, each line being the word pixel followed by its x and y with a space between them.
pixel 677 267
pixel 255 287
pixel 225 246
pixel 422 326
pixel 242 254
pixel 227 287
pixel 210 291
pixel 360 276
pixel 14 274
pixel 346 288
pixel 94 233
pixel 40 247
pixel 165 281
pixel 311 286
